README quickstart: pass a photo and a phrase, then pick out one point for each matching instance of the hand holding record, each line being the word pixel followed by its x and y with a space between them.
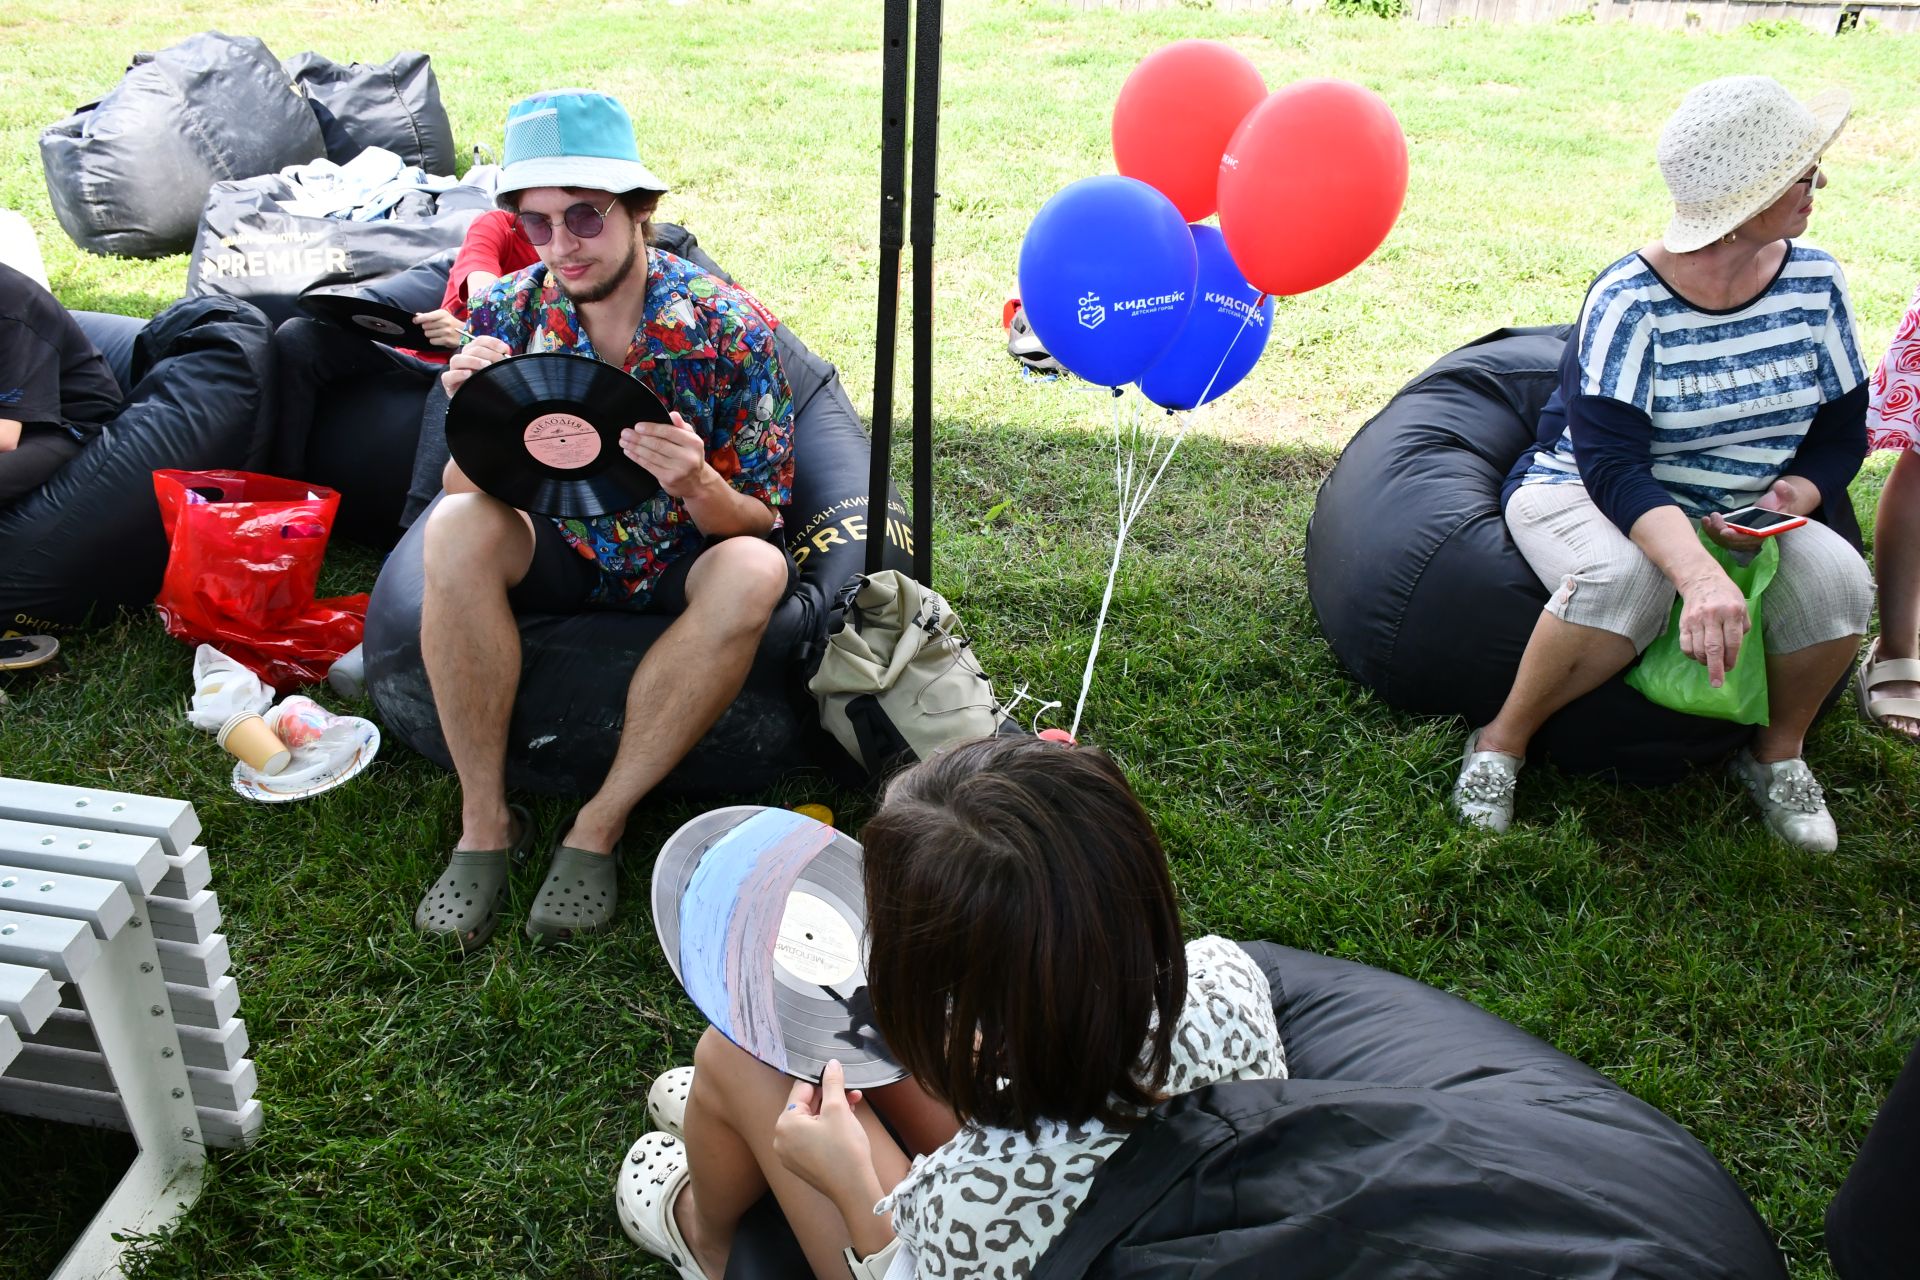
pixel 443 328
pixel 820 1139
pixel 672 451
pixel 472 358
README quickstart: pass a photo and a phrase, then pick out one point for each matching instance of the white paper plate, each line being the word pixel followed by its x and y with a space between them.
pixel 298 782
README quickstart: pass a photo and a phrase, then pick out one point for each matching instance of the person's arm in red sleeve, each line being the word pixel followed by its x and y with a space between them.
pixel 494 247
pixel 485 249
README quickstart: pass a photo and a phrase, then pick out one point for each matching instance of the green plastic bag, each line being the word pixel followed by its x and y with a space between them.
pixel 1669 677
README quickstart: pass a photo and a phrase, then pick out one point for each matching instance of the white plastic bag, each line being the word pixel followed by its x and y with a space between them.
pixel 222 689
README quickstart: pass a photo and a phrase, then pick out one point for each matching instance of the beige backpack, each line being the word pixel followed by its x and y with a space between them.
pixel 899 679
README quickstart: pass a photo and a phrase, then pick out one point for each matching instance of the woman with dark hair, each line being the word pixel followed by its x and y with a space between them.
pixel 1026 967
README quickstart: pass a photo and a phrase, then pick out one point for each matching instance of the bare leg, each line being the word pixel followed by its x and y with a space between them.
pixel 687 679
pixel 1797 683
pixel 922 1122
pixel 476 548
pixel 1562 661
pixel 1896 555
pixel 730 1117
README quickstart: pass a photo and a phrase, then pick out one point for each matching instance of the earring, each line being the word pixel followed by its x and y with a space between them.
pixel 1730 237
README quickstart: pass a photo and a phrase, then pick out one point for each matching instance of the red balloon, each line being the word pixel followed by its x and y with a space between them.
pixel 1311 184
pixel 1175 115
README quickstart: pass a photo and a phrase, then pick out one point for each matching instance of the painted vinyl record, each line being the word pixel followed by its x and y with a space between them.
pixel 542 433
pixel 368 319
pixel 762 915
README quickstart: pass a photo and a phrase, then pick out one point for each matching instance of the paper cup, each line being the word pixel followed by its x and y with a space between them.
pixel 247 738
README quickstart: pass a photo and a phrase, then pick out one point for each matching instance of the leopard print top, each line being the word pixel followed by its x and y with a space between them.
pixel 986 1205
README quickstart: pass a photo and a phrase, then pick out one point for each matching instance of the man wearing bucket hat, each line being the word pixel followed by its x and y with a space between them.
pixel 1712 370
pixel 699 549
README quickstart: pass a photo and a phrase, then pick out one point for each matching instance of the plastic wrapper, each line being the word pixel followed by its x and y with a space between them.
pixel 222 689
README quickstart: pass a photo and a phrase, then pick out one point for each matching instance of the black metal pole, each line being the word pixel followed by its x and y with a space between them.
pixel 893 183
pixel 926 131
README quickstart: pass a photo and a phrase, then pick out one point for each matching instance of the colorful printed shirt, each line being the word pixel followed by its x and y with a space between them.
pixel 706 349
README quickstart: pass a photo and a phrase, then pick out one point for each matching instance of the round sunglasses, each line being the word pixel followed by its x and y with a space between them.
pixel 583 220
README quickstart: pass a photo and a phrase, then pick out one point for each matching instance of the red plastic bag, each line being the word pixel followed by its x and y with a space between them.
pixel 245 555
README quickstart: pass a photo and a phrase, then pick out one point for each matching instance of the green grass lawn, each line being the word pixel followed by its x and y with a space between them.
pixel 433 1117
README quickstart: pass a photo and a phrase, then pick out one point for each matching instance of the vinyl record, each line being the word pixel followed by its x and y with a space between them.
pixel 368 319
pixel 762 915
pixel 542 433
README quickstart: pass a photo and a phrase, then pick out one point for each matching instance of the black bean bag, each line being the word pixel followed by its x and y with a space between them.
pixel 200 395
pixel 1421 591
pixel 1420 1138
pixel 575 668
pixel 394 105
pixel 127 174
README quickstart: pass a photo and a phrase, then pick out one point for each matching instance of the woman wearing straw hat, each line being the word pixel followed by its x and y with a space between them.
pixel 1712 370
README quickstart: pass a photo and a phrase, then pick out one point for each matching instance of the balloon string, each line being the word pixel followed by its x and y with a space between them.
pixel 1123 473
pixel 1186 421
pixel 1132 503
pixel 1245 320
pixel 1100 623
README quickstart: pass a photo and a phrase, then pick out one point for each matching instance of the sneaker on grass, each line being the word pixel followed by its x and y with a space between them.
pixel 1483 793
pixel 1790 799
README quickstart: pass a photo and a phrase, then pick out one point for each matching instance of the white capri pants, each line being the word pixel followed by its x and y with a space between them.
pixel 1599 578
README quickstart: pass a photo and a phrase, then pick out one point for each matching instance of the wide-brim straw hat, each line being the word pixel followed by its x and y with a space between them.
pixel 1734 147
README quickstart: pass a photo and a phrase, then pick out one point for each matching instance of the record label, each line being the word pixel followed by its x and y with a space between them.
pixel 562 441
pixel 379 325
pixel 814 943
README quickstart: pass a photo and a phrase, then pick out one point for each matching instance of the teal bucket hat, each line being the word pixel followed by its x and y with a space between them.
pixel 572 138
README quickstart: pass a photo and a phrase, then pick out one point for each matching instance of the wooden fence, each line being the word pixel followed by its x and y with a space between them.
pixel 1673 15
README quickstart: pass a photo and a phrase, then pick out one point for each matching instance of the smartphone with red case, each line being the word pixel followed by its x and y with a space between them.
pixel 1761 522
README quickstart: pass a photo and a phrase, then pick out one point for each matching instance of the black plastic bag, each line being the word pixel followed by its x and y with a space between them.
pixel 394 105
pixel 128 174
pixel 250 247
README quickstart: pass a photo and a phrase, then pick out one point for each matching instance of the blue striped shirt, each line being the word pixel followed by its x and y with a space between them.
pixel 1730 393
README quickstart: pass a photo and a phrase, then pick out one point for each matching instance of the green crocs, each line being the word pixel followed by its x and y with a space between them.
pixel 464 903
pixel 578 896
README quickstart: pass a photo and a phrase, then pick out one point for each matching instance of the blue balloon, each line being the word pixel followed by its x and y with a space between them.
pixel 1106 275
pixel 1224 334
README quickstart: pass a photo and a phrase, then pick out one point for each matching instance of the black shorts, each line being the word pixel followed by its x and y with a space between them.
pixel 561 580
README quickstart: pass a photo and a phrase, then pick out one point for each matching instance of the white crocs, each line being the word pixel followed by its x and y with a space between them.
pixel 1483 793
pixel 644 1190
pixel 667 1101
pixel 1791 800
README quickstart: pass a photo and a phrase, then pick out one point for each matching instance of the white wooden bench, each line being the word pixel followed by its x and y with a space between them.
pixel 116 1007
